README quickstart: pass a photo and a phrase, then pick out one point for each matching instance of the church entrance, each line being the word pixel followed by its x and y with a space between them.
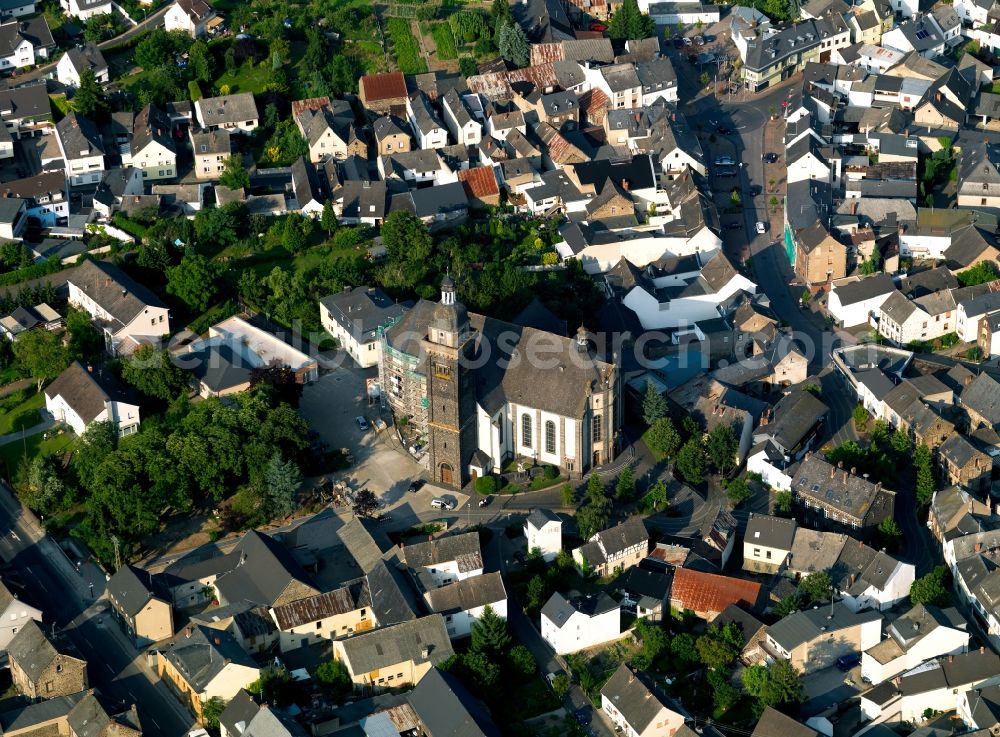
pixel 597 459
pixel 445 473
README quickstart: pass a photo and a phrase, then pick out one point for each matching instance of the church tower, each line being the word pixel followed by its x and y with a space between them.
pixel 449 349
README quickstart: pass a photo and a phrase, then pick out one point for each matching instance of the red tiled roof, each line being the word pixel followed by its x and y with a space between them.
pixel 479 182
pixel 383 86
pixel 313 103
pixel 544 53
pixel 710 592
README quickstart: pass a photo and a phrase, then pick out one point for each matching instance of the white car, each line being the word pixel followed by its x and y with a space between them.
pixel 761 228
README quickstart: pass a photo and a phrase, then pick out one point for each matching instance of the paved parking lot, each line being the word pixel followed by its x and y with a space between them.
pixel 330 405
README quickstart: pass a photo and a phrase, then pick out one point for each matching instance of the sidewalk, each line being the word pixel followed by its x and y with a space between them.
pixel 774 142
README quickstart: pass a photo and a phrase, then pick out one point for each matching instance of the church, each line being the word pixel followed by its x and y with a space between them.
pixel 485 391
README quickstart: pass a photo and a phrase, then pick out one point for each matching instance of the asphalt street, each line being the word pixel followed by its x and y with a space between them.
pixel 81 622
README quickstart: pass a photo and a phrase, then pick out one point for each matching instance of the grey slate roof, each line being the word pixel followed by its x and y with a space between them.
pixel 540 517
pixel 362 310
pixel 773 723
pixel 399 643
pixel 393 598
pixel 638 702
pixel 771 532
pixel 227 109
pixel 463 549
pixel 133 587
pixel 86 57
pixel 558 609
pixel 794 416
pixel 983 397
pixel 117 293
pixel 32 651
pixel 200 653
pixel 79 136
pixel 424 117
pixel 34 30
pixel 28 102
pixel 469 593
pixel 815 479
pixel 807 625
pixel 447 709
pixel 85 392
pixel 218 367
pixel 263 571
pixel 238 712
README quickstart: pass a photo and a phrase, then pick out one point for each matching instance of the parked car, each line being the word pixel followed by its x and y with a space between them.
pixel 734 226
pixel 725 172
pixel 678 43
pixel 699 40
pixel 582 716
pixel 724 131
pixel 687 41
pixel 709 39
pixel 362 423
pixel 599 27
pixel 439 503
pixel 847 662
pixel 724 161
pixel 761 227
pixel 770 158
pixel 415 486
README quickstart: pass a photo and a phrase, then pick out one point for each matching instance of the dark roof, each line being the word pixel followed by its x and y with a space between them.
pixel 133 587
pixel 86 392
pixel 747 623
pixel 32 651
pixel 364 199
pixel 822 482
pixel 807 625
pixel 540 517
pixel 393 598
pixel 218 367
pixel 113 290
pixel 447 709
pixel 637 172
pixel 79 136
pixel 31 101
pixel 468 594
pixel 863 289
pixel 200 653
pixel 558 609
pixel 794 416
pixel 240 709
pixel 638 702
pixel 264 569
pixel 235 108
pixel 983 397
pixel 399 643
pixel 773 723
pixel 771 532
pixel 86 57
pixel 462 548
pixel 34 30
pixel 362 310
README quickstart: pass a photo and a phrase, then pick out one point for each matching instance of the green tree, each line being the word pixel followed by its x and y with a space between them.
pixel 536 594
pixel 723 447
pixel 787 605
pixel 931 588
pixel 595 486
pixel 984 271
pixel 715 652
pixel 194 281
pixel 567 495
pixel 513 44
pixel 522 661
pixel 629 24
pixel 89 99
pixel 777 685
pixel 409 247
pixel 328 222
pixel 860 416
pixel 738 491
pixel 890 533
pixel 900 442
pixel 489 635
pixel 925 486
pixel 275 686
pixel 201 62
pixel 151 371
pixel 334 678
pixel 625 486
pixel 594 516
pixel 817 586
pixel 41 353
pixel 467 66
pixel 691 462
pixel 45 487
pixel 683 648
pixel 657 496
pixel 724 694
pixel 654 405
pixel 154 50
pixel 211 710
pixel 560 686
pixel 280 487
pixel 86 343
pixel 662 438
pixel 235 175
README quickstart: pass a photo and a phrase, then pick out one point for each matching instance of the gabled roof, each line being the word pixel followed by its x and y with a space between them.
pixel 773 723
pixel 79 136
pixel 446 709
pixel 468 594
pixel 31 650
pixel 133 587
pixel 479 182
pixel 462 548
pixel 389 86
pixel 700 591
pixel 540 517
pixel 346 599
pixel 637 700
pixel 771 532
pixel 262 572
pixel 807 625
pixel 559 610
pixel 200 654
pixel 113 290
pixel 86 57
pixel 196 10
pixel 983 397
pixel 398 644
pixel 236 108
pixel 85 392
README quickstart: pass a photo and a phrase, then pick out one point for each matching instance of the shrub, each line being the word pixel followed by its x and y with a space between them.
pixel 486 485
pixel 194 91
pixel 551 472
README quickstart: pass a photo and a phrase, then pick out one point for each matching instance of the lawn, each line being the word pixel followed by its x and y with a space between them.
pixel 12 453
pixel 18 415
pixel 444 40
pixel 405 47
pixel 60 106
pixel 248 78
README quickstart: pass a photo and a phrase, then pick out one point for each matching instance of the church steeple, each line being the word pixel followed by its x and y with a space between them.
pixel 447 291
pixel 450 321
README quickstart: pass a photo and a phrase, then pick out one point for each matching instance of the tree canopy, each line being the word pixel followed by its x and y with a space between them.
pixel 654 405
pixel 151 371
pixel 629 24
pixel 931 588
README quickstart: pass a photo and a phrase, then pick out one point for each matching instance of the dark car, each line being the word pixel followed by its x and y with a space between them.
pixel 725 173
pixel 709 38
pixel 770 158
pixel 415 486
pixel 519 557
pixel 678 43
pixel 582 717
pixel 734 226
pixel 699 40
pixel 847 662
pixel 724 131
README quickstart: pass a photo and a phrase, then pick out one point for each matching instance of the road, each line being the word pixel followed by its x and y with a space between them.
pixel 72 608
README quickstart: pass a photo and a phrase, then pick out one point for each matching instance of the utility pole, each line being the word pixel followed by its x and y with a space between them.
pixel 118 558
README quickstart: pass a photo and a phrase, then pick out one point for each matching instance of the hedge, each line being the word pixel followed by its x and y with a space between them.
pixel 130 226
pixel 194 91
pixel 34 271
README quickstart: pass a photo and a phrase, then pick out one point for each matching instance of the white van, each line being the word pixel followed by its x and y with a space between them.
pixel 439 503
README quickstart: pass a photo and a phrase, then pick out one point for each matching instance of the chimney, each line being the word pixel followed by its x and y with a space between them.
pixel 968 380
pixel 979 547
pixel 217 641
pixel 982 650
pixel 951 658
pixel 188 632
pixel 854 470
pixel 833 472
pixel 90 370
pixel 425 652
pixel 625 184
pixel 840 464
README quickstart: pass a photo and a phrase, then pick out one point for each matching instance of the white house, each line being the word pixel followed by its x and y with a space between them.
pixel 13 217
pixel 903 320
pixel 636 708
pixel 24 42
pixel 972 12
pixel 82 148
pixel 680 300
pixel 16 8
pixel 465 129
pixel 79 398
pixel 923 633
pixel 883 583
pixel 463 602
pixel 543 530
pixel 599 250
pixel 83 9
pixel 767 543
pixel 14 613
pixel 191 16
pixel 573 625
pixel 427 127
pixel 355 316
pixel 765 459
pixel 79 59
pixel 235 113
pixel 128 313
pixel 854 302
pixel 445 560
pixel 151 148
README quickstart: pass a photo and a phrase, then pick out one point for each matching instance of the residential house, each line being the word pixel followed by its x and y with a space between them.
pixel 84 9
pixel 773 722
pixel 383 93
pixel 646 592
pixel 26 111
pixel 79 398
pixel 13 217
pixel 200 663
pixel 152 149
pixel 16 8
pixel 793 425
pixel 835 496
pixel 23 319
pixel 814 639
pixel 46 194
pixel 81 147
pixel 855 302
pixel 481 186
pixel 923 633
pixel 141 604
pixel 444 708
pixel 335 614
pixel 570 625
pixel 391 137
pixel 427 127
pixel 329 129
pixel 635 706
pixel 355 316
pixel 961 463
pixel 707 595
pixel 236 113
pixel 79 59
pixel 39 671
pixel 767 59
pixel 24 43
pixel 614 549
pixel 396 656
pixel 364 202
pixel 920 34
pixel 980 400
pixel 15 614
pixel 953 512
pixel 211 150
pixel 979 174
pixel 819 257
pixel 463 602
pixel 870 579
pixel 82 714
pixel 442 206
pixel 767 543
pixel 543 531
pixel 128 314
pixel 446 559
pixel 465 129
pixel 194 17
pixel 116 185
pixel 658 79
